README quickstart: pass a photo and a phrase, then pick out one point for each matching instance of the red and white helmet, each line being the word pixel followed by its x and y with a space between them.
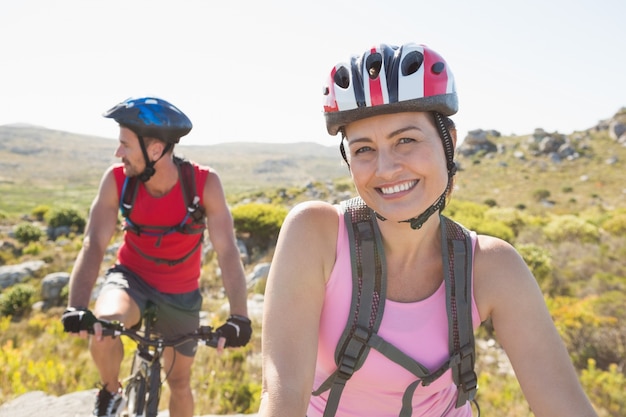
pixel 389 79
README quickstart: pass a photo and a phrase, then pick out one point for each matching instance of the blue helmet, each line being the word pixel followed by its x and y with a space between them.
pixel 151 117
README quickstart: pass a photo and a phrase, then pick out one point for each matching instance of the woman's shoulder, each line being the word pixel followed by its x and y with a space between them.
pixel 317 221
pixel 496 257
pixel 314 211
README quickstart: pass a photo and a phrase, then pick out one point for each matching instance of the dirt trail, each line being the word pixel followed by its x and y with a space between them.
pixel 76 404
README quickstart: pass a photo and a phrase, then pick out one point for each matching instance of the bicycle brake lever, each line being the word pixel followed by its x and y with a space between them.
pixel 212 342
pixel 207 336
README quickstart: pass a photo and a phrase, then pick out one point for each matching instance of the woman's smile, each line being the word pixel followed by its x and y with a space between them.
pixel 398 188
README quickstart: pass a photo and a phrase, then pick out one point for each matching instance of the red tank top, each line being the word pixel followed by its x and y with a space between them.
pixel 167 210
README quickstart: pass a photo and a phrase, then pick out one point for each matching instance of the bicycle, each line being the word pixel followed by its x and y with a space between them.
pixel 142 388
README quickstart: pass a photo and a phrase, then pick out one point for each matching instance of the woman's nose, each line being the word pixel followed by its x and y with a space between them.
pixel 387 164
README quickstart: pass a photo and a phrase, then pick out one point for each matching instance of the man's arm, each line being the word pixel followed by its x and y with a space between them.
pixel 98 233
pixel 221 232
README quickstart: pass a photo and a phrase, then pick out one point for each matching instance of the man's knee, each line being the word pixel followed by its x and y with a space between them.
pixel 179 382
pixel 180 376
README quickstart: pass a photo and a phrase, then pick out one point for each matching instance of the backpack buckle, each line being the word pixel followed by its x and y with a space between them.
pixel 462 364
pixel 353 354
pixel 469 383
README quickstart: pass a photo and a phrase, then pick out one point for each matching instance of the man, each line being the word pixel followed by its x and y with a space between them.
pixel 159 260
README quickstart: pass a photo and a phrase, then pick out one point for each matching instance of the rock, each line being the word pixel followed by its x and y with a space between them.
pixel 14 274
pixel 259 272
pixel 51 287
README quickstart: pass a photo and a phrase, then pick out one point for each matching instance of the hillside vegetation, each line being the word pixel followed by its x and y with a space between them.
pixel 567 217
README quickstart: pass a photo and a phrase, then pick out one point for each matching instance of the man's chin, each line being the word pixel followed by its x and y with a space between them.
pixel 129 172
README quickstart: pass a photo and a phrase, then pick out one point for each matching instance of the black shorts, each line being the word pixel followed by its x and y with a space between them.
pixel 177 314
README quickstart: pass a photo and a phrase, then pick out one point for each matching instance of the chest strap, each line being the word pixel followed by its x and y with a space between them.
pixel 367 306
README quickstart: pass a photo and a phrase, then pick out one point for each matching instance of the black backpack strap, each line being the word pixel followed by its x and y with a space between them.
pixel 368 298
pixel 187 177
pixel 457 248
pixel 367 307
pixel 128 195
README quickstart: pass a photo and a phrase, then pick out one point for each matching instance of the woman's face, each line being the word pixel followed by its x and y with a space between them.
pixel 397 163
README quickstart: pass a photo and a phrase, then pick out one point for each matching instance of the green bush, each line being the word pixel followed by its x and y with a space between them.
pixel 586 331
pixel 473 216
pixel 66 217
pixel 33 248
pixel 541 194
pixel 258 224
pixel 27 232
pixel 40 212
pixel 605 388
pixel 511 217
pixel 616 225
pixel 16 300
pixel 571 228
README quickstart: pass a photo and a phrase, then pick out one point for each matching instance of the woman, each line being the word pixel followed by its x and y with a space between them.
pixel 391 106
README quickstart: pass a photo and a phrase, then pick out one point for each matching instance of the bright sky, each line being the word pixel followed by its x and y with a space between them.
pixel 253 70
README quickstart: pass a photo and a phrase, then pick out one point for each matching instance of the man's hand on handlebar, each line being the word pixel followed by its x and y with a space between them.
pixel 234 333
pixel 80 320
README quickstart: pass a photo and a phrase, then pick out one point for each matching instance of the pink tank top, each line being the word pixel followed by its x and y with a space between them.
pixel 167 210
pixel 419 329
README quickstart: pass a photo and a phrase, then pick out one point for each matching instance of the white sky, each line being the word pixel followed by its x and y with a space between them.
pixel 253 70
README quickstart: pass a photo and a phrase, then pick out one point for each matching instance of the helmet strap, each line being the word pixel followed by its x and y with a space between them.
pixel 342 148
pixel 149 171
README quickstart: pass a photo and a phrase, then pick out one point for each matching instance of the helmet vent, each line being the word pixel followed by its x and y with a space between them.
pixel 373 64
pixel 412 63
pixel 438 67
pixel 342 77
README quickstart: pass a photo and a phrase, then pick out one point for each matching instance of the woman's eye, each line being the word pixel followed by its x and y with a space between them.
pixel 362 149
pixel 406 140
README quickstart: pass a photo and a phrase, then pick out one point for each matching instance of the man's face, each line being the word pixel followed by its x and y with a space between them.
pixel 129 151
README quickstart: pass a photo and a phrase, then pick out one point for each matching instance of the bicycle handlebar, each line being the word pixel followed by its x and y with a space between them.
pixel 115 328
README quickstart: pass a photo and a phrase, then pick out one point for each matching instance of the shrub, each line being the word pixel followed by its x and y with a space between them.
pixel 541 194
pixel 605 388
pixel 66 217
pixel 258 224
pixel 40 212
pixel 587 333
pixel 495 229
pixel 33 248
pixel 569 228
pixel 511 217
pixel 473 216
pixel 27 232
pixel 16 300
pixel 616 225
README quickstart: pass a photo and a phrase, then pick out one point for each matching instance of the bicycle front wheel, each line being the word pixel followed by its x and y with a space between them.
pixel 136 396
pixel 154 389
pixel 136 388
